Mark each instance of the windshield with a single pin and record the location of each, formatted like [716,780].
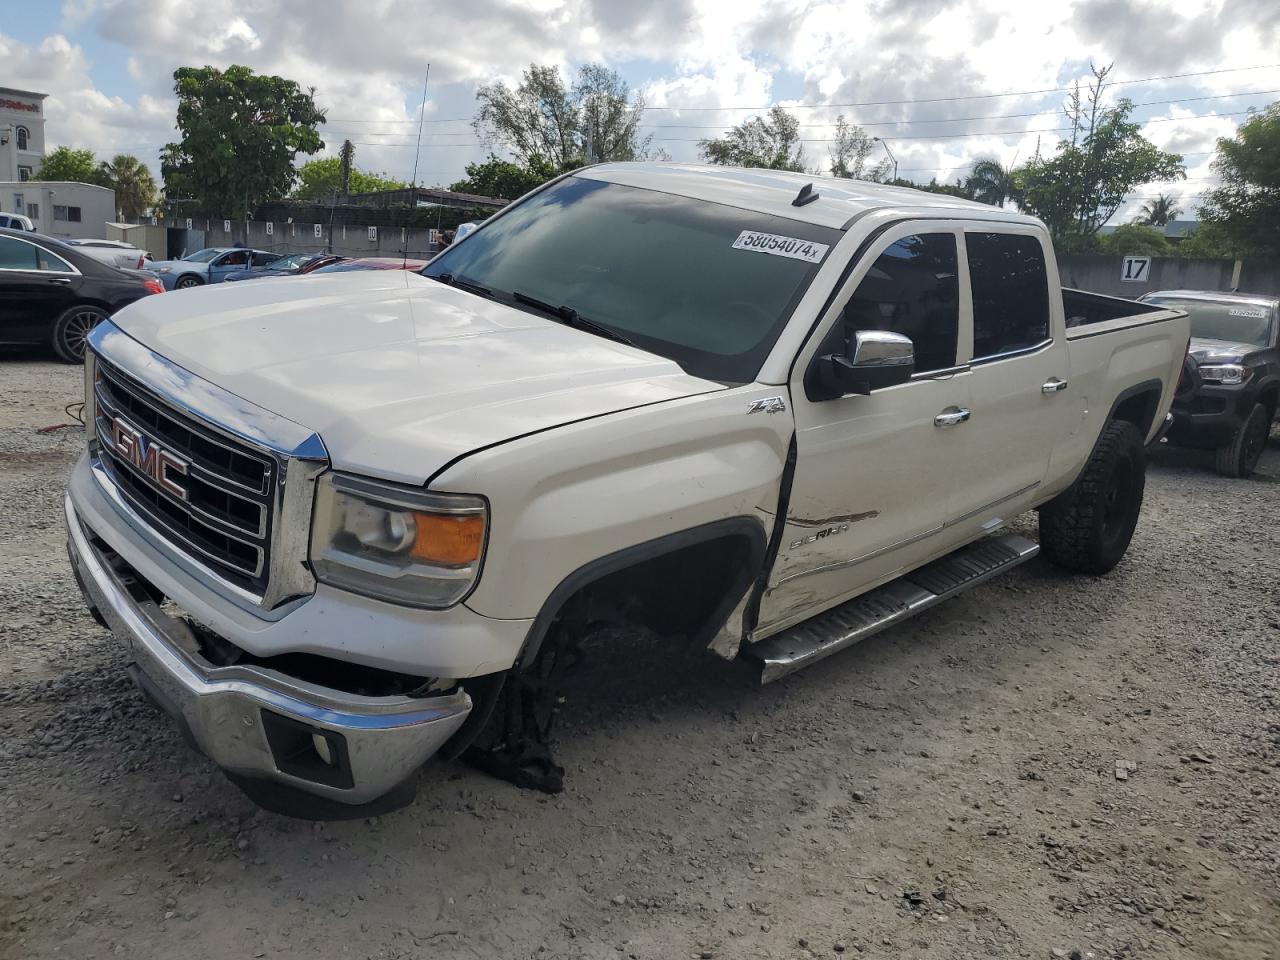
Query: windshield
[1232,322]
[290,262]
[707,285]
[202,256]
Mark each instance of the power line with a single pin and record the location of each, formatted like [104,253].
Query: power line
[894,139]
[882,103]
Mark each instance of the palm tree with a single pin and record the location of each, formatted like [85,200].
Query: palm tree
[1158,212]
[990,181]
[134,186]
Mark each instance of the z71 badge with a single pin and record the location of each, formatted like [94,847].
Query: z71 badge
[767,405]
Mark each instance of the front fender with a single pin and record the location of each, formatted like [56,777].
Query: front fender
[565,498]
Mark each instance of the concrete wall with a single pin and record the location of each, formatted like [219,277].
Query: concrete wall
[346,239]
[1102,274]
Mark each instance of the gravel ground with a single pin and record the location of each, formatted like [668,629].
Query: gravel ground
[948,789]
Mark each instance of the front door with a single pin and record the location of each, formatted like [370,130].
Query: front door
[875,475]
[228,263]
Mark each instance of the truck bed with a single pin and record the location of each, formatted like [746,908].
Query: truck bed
[1084,309]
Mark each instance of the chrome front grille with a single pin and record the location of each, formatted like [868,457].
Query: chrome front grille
[218,507]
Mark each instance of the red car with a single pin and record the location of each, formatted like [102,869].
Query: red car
[372,263]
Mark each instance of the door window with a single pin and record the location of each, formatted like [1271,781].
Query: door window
[912,289]
[236,258]
[52,262]
[1010,292]
[261,259]
[16,255]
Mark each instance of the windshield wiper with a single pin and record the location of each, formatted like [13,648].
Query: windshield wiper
[449,280]
[571,317]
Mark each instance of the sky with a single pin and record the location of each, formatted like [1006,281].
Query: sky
[967,78]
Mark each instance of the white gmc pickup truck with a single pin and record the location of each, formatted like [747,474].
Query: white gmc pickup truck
[342,524]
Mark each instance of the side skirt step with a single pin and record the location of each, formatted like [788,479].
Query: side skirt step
[859,618]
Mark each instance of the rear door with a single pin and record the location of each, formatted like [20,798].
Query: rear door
[1022,403]
[35,287]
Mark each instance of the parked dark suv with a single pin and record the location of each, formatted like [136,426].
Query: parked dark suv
[1232,400]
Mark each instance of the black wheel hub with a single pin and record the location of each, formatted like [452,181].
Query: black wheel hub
[1115,501]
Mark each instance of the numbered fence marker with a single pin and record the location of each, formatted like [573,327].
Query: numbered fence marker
[1135,269]
[373,233]
[188,223]
[319,230]
[271,229]
[226,226]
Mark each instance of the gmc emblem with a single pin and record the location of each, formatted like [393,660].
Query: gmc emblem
[150,459]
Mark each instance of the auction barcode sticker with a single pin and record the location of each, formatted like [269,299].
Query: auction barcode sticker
[780,246]
[1251,314]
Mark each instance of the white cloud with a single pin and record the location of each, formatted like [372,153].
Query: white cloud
[366,62]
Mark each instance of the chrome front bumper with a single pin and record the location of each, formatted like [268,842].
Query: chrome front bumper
[276,736]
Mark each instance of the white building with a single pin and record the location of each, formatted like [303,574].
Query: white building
[61,208]
[21,133]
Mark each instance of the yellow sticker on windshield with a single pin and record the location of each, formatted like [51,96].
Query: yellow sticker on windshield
[780,246]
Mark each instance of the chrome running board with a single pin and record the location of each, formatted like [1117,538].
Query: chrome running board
[843,626]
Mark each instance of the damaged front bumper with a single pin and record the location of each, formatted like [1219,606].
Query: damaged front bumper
[293,746]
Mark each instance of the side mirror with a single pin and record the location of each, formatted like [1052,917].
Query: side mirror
[876,359]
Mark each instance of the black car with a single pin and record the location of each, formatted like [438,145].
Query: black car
[1232,384]
[289,265]
[52,293]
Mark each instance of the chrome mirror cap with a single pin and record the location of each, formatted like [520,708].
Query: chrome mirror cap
[881,348]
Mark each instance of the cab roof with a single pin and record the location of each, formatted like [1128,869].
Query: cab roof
[772,192]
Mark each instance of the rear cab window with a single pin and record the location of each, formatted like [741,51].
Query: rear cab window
[1010,285]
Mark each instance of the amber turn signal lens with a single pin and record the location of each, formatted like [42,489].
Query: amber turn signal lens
[448,540]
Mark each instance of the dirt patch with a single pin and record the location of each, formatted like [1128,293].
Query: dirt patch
[947,789]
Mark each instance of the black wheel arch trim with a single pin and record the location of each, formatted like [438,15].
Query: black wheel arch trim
[749,527]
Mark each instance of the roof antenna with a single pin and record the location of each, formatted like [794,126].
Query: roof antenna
[413,186]
[806,195]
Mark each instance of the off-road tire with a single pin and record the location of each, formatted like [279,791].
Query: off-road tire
[187,282]
[1087,528]
[71,329]
[1240,457]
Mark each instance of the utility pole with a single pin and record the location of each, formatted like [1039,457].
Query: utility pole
[892,158]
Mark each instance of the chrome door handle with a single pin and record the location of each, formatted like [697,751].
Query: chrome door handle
[1053,385]
[949,418]
[58,279]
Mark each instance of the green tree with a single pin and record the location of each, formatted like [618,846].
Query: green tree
[1135,239]
[991,182]
[134,186]
[593,120]
[850,150]
[771,141]
[240,135]
[1246,207]
[68,163]
[496,177]
[1080,188]
[1209,241]
[1158,211]
[320,180]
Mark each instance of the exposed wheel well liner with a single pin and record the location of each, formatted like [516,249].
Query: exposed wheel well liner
[1270,397]
[1138,405]
[711,566]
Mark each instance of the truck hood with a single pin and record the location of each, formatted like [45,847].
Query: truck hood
[1219,351]
[398,374]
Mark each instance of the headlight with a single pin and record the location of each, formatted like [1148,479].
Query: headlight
[163,269]
[1226,373]
[397,543]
